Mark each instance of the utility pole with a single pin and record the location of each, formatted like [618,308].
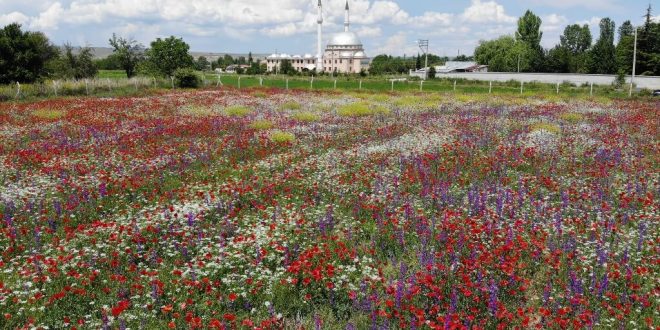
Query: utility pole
[632,79]
[424,46]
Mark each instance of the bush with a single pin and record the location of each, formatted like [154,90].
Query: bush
[261,125]
[186,78]
[282,137]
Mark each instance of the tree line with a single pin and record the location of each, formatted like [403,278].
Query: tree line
[576,51]
[27,56]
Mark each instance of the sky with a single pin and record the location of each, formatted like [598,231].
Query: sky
[289,26]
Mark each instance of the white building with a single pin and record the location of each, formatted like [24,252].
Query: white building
[344,52]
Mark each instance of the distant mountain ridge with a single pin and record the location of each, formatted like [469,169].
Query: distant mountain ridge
[103,52]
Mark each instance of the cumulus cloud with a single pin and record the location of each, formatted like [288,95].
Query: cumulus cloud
[13,17]
[486,12]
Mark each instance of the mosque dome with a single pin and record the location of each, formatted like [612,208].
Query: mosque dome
[345,39]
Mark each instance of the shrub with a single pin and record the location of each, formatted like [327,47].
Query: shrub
[306,116]
[260,95]
[186,78]
[361,109]
[237,111]
[282,137]
[262,125]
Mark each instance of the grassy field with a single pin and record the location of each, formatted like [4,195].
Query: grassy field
[111,74]
[114,83]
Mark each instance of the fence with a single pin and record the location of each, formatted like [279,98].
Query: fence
[115,87]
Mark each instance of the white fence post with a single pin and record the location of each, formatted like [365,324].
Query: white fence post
[421,85]
[311,83]
[360,84]
[172,79]
[287,83]
[490,88]
[392,85]
[261,81]
[18,89]
[87,86]
[591,91]
[557,88]
[55,86]
[521,87]
[239,82]
[335,83]
[454,85]
[219,83]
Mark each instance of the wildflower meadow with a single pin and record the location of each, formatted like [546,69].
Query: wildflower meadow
[274,209]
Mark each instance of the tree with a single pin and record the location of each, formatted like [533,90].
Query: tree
[648,46]
[575,42]
[129,53]
[603,54]
[418,62]
[432,72]
[250,59]
[75,66]
[202,63]
[529,33]
[504,54]
[558,60]
[24,55]
[287,68]
[624,49]
[167,55]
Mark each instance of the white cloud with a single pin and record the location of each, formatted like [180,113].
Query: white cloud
[369,31]
[486,12]
[553,22]
[13,17]
[589,4]
[429,19]
[398,44]
[49,19]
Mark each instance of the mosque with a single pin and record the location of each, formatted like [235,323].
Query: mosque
[344,52]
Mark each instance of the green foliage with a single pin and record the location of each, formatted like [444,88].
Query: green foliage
[186,78]
[75,66]
[287,68]
[282,137]
[529,33]
[504,54]
[167,55]
[648,46]
[24,55]
[237,111]
[261,125]
[306,116]
[603,54]
[48,114]
[432,72]
[112,62]
[129,53]
[202,64]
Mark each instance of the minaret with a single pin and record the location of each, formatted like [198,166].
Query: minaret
[319,50]
[346,19]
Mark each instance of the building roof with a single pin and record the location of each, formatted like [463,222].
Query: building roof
[345,39]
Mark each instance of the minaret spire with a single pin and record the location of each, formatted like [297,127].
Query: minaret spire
[346,18]
[319,50]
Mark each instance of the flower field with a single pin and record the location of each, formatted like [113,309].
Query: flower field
[266,209]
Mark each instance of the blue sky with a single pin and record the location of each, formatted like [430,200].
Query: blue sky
[266,26]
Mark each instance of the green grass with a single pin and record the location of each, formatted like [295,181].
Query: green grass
[291,105]
[306,116]
[262,125]
[282,137]
[238,111]
[48,114]
[112,74]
